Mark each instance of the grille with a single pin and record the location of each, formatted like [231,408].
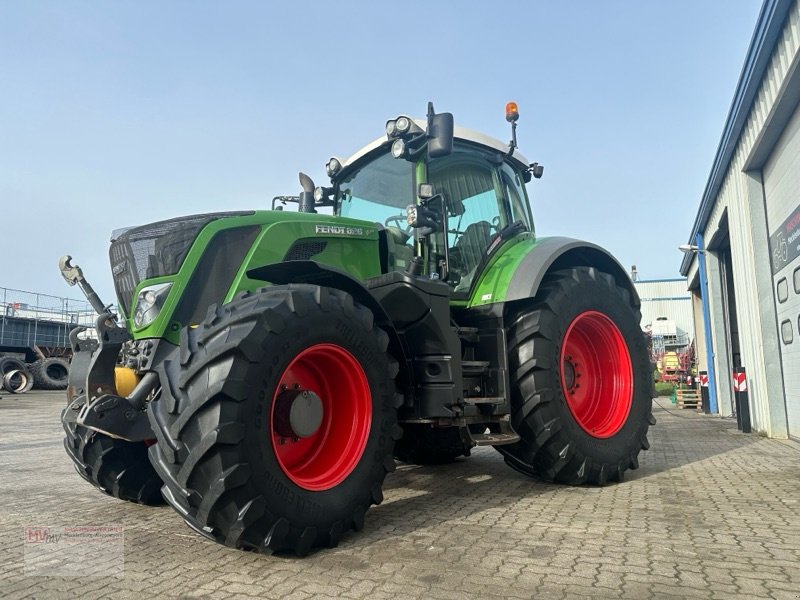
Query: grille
[154,250]
[305,249]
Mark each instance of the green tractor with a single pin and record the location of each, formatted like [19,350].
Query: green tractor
[268,367]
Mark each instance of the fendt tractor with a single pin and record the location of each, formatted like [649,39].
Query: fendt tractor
[267,367]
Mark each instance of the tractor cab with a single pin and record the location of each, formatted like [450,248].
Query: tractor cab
[444,197]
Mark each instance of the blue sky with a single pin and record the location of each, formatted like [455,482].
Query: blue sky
[122,113]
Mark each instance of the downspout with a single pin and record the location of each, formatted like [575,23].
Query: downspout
[712,373]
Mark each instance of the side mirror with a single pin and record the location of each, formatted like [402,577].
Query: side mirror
[440,134]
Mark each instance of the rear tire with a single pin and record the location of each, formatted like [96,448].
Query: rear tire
[116,467]
[229,466]
[580,381]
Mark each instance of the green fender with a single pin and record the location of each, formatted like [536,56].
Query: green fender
[516,271]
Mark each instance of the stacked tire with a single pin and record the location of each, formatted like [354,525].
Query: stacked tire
[50,373]
[46,374]
[15,377]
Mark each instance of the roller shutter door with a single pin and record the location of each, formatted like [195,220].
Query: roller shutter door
[782,194]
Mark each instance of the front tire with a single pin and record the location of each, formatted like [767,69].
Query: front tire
[277,426]
[580,381]
[118,468]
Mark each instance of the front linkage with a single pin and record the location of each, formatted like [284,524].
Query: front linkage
[106,427]
[94,401]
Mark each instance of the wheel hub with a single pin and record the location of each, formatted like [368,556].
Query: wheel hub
[570,374]
[298,413]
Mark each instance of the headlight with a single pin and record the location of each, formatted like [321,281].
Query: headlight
[391,128]
[149,303]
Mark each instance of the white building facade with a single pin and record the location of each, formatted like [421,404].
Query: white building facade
[748,231]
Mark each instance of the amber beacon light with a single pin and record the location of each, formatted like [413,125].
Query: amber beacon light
[512,113]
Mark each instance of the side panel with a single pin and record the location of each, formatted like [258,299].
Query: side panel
[343,243]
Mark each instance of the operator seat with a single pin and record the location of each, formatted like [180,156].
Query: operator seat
[472,244]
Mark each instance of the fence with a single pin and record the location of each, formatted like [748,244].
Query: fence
[29,319]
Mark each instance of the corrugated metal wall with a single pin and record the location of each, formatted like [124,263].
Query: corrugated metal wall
[733,199]
[666,298]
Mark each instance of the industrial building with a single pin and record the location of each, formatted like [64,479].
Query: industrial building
[742,261]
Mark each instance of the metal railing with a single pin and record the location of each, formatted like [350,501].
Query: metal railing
[30,319]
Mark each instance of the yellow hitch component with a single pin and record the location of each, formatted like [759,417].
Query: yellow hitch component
[125,379]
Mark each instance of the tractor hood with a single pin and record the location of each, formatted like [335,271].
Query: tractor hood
[154,250]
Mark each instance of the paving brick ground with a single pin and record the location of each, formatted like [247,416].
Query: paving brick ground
[711,513]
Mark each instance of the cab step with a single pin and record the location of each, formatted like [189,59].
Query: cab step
[485,400]
[468,334]
[474,367]
[494,439]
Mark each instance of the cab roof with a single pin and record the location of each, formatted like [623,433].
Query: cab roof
[459,133]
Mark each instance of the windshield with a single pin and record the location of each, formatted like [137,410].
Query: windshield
[379,191]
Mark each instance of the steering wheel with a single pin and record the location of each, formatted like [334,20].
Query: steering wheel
[397,220]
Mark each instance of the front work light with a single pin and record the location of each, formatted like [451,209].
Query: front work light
[333,166]
[411,215]
[149,303]
[398,148]
[403,124]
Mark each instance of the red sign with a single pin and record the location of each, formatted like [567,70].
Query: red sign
[740,382]
[703,380]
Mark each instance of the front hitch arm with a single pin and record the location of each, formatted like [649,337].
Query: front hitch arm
[73,275]
[92,393]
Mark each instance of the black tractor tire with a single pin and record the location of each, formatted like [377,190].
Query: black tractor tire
[18,381]
[580,380]
[423,444]
[50,373]
[8,364]
[226,465]
[116,467]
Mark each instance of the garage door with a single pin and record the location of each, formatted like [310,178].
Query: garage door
[782,193]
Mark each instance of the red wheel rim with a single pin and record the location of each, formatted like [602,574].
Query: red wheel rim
[596,374]
[325,458]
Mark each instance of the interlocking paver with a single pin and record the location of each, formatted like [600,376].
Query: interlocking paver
[711,513]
